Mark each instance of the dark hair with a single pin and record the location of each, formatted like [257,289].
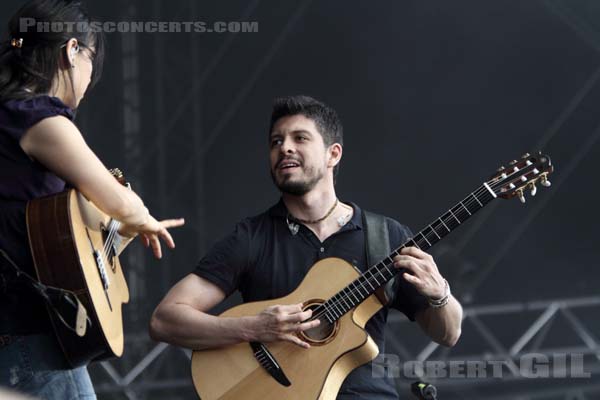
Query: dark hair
[325,118]
[37,61]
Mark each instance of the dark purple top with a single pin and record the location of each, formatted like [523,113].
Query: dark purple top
[22,179]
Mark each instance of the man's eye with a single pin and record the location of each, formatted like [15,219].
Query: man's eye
[276,142]
[301,138]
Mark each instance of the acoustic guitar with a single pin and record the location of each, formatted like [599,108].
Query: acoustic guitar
[74,247]
[343,300]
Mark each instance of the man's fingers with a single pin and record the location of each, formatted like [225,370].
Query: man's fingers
[307,325]
[411,278]
[415,252]
[297,316]
[290,308]
[408,263]
[296,340]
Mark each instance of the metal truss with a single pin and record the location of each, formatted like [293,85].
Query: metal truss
[478,323]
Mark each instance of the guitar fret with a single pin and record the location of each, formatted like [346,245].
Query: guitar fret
[476,199]
[461,203]
[381,272]
[342,296]
[434,231]
[414,243]
[334,308]
[332,312]
[445,226]
[421,233]
[391,272]
[362,295]
[352,292]
[372,287]
[376,281]
[328,316]
[457,220]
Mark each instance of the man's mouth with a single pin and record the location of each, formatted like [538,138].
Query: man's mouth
[288,165]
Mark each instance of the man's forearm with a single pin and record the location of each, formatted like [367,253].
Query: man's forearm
[182,325]
[443,324]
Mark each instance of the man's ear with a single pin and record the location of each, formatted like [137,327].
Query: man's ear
[335,154]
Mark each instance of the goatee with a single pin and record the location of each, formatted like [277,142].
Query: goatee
[296,188]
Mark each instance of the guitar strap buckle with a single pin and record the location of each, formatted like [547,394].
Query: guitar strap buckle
[81,319]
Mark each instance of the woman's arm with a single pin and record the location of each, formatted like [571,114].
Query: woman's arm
[57,144]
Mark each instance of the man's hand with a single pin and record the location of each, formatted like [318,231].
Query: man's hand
[422,272]
[281,322]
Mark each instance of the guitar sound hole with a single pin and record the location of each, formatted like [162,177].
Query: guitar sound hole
[322,333]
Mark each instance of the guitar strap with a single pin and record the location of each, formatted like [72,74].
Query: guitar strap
[377,245]
[63,303]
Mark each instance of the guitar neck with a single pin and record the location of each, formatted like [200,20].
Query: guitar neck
[382,272]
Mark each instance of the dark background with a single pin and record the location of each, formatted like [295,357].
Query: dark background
[434,96]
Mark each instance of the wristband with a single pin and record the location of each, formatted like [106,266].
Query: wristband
[439,303]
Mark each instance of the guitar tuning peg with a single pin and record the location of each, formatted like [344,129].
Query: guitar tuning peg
[526,155]
[500,169]
[513,162]
[521,195]
[533,188]
[545,181]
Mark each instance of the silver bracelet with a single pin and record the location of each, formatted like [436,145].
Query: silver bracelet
[439,303]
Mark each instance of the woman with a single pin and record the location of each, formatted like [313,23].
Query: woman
[43,77]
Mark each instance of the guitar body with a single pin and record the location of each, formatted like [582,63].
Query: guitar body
[233,372]
[64,230]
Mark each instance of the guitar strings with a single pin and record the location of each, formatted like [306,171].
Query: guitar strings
[112,231]
[355,286]
[326,307]
[345,293]
[343,296]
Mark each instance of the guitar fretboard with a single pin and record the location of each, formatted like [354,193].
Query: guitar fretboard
[382,272]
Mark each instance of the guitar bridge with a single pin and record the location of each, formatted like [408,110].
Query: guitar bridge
[101,268]
[267,361]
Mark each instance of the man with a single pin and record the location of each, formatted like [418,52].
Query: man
[267,256]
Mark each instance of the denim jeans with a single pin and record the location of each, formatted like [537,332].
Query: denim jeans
[35,365]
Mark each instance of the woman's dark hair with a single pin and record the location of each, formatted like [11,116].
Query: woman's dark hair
[37,61]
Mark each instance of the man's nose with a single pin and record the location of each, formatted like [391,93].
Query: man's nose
[287,147]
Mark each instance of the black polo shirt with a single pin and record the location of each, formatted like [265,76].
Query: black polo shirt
[263,259]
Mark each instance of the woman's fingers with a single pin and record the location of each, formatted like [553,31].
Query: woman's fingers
[172,223]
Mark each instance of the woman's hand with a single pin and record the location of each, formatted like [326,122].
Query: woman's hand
[152,231]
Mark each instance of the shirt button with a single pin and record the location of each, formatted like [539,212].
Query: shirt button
[322,249]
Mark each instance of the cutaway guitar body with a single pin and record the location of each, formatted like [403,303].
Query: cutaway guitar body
[317,373]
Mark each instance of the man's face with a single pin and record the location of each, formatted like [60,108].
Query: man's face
[298,155]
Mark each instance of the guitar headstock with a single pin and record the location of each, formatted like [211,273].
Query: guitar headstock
[118,174]
[521,175]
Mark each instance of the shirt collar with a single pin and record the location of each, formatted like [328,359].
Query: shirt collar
[280,210]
